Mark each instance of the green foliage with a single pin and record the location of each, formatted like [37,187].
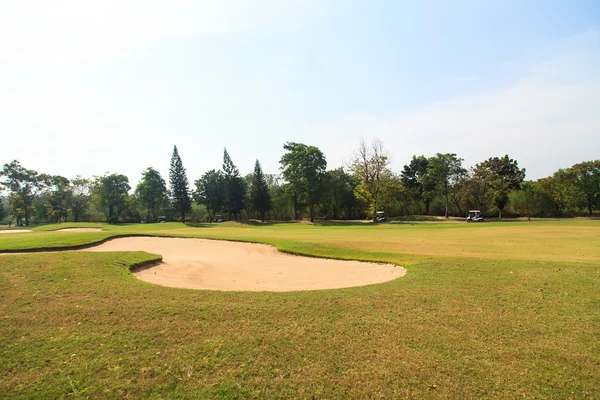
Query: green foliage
[59,198]
[259,195]
[303,167]
[235,190]
[210,191]
[444,171]
[178,182]
[110,193]
[586,179]
[151,193]
[80,197]
[393,195]
[500,176]
[370,165]
[338,200]
[24,184]
[281,202]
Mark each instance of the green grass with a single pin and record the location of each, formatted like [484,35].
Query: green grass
[507,310]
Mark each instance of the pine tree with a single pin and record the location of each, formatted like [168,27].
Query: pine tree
[260,196]
[180,194]
[234,187]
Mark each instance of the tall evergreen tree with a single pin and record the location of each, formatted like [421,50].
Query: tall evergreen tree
[259,194]
[180,194]
[234,187]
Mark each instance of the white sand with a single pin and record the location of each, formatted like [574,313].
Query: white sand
[221,265]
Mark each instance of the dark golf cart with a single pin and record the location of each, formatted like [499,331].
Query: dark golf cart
[161,219]
[475,216]
[380,216]
[219,218]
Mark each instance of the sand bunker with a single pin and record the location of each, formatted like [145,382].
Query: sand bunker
[15,231]
[220,265]
[79,230]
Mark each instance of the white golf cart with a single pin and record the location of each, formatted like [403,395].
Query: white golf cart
[475,216]
[380,216]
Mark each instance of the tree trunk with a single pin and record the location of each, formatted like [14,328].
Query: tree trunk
[25,209]
[446,203]
[590,204]
[295,206]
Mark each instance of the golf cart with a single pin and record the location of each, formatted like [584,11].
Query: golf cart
[219,218]
[380,216]
[161,219]
[475,216]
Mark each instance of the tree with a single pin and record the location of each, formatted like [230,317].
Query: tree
[370,165]
[59,198]
[444,170]
[110,195]
[303,167]
[458,192]
[234,187]
[412,180]
[527,198]
[586,178]
[210,191]
[259,195]
[24,184]
[338,200]
[477,185]
[151,192]
[504,175]
[80,196]
[392,195]
[180,193]
[2,210]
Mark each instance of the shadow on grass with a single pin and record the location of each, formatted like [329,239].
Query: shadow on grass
[345,223]
[254,222]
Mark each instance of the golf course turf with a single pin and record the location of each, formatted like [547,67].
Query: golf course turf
[493,310]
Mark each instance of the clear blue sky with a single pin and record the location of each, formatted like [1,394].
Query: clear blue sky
[86,89]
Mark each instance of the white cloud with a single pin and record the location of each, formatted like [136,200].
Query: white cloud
[74,30]
[547,120]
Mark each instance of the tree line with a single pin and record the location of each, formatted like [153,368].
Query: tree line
[439,185]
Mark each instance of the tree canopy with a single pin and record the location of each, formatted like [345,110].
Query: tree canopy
[110,195]
[370,165]
[210,191]
[152,194]
[303,168]
[24,185]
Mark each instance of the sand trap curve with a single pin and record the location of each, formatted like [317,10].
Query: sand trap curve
[79,230]
[221,265]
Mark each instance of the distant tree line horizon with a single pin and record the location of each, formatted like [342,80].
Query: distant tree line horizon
[440,185]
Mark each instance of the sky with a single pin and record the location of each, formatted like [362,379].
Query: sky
[111,86]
